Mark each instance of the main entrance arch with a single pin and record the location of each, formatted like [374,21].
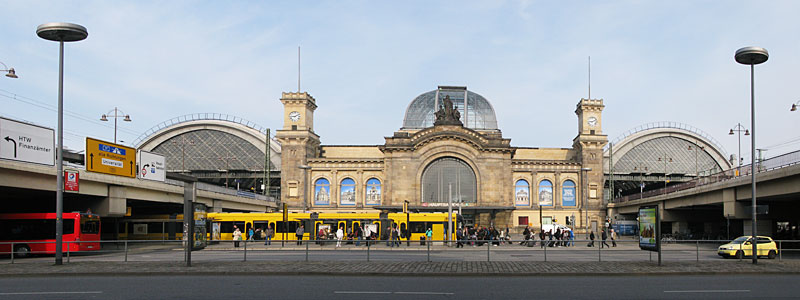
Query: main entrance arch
[444,174]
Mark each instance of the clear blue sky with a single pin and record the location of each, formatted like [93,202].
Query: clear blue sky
[364,61]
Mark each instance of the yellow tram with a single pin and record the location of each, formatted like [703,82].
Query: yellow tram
[221,224]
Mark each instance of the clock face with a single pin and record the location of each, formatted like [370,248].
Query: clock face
[295,116]
[592,121]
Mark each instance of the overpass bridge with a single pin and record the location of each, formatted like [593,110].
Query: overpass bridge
[719,205]
[27,187]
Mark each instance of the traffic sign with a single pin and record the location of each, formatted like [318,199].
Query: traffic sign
[151,166]
[71,181]
[110,158]
[25,142]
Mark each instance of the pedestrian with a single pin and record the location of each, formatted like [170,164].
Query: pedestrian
[299,233]
[428,235]
[526,234]
[250,234]
[237,236]
[387,236]
[359,234]
[339,235]
[269,234]
[541,238]
[395,237]
[571,238]
[508,236]
[459,238]
[367,234]
[613,238]
[591,238]
[604,235]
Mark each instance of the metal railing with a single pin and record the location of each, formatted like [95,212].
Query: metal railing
[777,162]
[394,250]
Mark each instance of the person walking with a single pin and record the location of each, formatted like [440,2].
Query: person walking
[613,238]
[250,234]
[237,236]
[459,238]
[387,235]
[429,235]
[367,234]
[541,239]
[526,234]
[591,239]
[604,235]
[358,233]
[339,235]
[269,233]
[299,233]
[395,237]
[571,238]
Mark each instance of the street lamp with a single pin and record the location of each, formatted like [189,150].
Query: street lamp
[752,56]
[665,159]
[696,148]
[641,168]
[585,205]
[305,169]
[117,114]
[739,128]
[60,32]
[10,71]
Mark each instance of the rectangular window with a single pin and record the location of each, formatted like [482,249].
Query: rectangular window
[291,227]
[523,221]
[547,220]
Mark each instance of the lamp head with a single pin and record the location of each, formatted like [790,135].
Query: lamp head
[746,132]
[794,106]
[11,73]
[127,118]
[751,55]
[103,118]
[730,133]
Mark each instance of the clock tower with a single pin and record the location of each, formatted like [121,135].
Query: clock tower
[589,145]
[298,144]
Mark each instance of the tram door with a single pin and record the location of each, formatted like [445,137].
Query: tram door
[438,232]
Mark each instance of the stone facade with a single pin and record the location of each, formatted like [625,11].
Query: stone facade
[400,163]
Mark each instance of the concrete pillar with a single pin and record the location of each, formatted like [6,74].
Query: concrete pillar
[115,205]
[216,206]
[731,208]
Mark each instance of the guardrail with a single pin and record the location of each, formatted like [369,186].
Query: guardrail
[777,162]
[393,250]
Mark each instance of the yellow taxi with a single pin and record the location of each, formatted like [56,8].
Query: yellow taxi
[743,246]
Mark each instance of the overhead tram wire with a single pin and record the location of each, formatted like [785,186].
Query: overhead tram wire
[44,105]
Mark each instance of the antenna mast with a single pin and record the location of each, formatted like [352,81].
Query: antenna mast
[298,69]
[590,78]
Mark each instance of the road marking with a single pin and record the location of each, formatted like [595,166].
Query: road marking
[49,293]
[359,292]
[397,293]
[708,291]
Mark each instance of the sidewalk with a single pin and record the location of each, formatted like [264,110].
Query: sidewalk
[403,268]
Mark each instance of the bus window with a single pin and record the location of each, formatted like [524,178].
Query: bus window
[418,227]
[33,229]
[90,226]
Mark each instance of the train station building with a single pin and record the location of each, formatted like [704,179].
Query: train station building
[449,150]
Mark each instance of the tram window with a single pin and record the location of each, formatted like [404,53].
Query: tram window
[291,227]
[418,227]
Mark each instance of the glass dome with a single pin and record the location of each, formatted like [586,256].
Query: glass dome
[476,112]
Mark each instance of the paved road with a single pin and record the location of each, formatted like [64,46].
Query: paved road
[400,287]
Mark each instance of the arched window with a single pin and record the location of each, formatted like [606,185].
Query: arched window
[322,192]
[347,195]
[568,193]
[446,174]
[545,193]
[373,192]
[522,193]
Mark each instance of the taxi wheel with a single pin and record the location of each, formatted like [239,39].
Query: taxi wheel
[739,254]
[772,254]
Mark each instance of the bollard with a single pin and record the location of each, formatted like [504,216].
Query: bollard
[488,251]
[245,250]
[67,252]
[126,250]
[309,242]
[368,250]
[599,251]
[429,250]
[12,252]
[697,247]
[545,252]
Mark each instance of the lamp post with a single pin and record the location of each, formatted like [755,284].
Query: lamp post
[117,114]
[227,159]
[585,205]
[10,73]
[696,148]
[305,169]
[60,32]
[752,56]
[739,129]
[641,168]
[666,159]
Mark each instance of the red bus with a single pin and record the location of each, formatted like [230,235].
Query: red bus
[35,233]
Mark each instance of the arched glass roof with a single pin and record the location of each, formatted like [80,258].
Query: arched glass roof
[476,112]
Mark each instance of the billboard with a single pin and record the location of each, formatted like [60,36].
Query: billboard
[110,158]
[648,228]
[25,142]
[152,166]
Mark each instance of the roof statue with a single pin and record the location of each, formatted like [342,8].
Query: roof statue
[447,114]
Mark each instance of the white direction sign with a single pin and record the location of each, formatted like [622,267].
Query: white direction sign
[25,142]
[151,166]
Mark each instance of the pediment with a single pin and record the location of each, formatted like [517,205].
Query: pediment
[411,141]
